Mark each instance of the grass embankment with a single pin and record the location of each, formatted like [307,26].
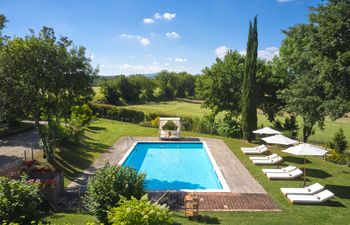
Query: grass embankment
[182,108]
[336,178]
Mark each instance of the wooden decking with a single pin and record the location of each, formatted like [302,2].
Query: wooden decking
[223,201]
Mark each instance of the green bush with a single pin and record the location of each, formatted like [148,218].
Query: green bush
[107,185]
[115,113]
[229,127]
[81,116]
[206,125]
[339,142]
[140,212]
[19,201]
[339,158]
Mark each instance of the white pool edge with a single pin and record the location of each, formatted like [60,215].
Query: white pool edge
[217,170]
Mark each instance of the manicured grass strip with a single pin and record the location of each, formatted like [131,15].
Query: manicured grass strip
[336,178]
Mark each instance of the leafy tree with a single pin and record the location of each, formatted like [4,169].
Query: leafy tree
[339,142]
[19,201]
[249,102]
[108,184]
[140,212]
[110,91]
[220,85]
[144,85]
[185,85]
[167,83]
[50,75]
[317,54]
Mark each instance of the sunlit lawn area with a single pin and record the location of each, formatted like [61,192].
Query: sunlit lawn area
[336,178]
[181,108]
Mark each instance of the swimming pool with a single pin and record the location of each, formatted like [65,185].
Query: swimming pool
[175,166]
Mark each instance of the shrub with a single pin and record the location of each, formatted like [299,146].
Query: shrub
[107,185]
[229,127]
[187,123]
[140,212]
[19,201]
[338,158]
[206,125]
[115,113]
[339,142]
[81,116]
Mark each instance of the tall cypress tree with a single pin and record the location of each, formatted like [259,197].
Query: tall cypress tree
[249,96]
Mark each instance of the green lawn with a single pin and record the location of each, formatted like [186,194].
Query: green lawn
[335,177]
[182,108]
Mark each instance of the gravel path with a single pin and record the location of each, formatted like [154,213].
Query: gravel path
[13,147]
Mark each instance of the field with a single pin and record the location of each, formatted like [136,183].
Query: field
[182,108]
[336,178]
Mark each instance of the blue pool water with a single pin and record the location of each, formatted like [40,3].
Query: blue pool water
[174,166]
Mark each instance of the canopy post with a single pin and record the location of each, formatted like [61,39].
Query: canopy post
[304,172]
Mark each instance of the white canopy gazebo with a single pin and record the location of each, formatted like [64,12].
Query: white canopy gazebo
[169,128]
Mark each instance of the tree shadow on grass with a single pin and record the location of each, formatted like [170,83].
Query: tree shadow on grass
[202,219]
[297,160]
[342,192]
[317,173]
[74,158]
[95,129]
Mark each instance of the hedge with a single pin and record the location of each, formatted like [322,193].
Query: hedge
[114,113]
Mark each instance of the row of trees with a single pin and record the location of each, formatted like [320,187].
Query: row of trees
[139,88]
[310,78]
[42,77]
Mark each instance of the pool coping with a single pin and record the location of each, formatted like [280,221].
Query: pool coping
[225,187]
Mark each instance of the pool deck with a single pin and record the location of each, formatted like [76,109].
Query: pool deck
[246,194]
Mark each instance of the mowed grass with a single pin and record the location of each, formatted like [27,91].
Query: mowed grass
[172,108]
[182,108]
[335,177]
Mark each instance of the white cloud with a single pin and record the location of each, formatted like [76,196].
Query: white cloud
[130,69]
[180,60]
[169,16]
[221,51]
[172,35]
[166,16]
[155,63]
[91,56]
[148,20]
[267,53]
[143,40]
[157,16]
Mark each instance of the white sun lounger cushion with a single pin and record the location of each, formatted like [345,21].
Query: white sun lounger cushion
[257,148]
[285,176]
[274,155]
[321,197]
[268,161]
[281,170]
[310,190]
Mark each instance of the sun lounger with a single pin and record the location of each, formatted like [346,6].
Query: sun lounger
[255,150]
[285,175]
[310,190]
[318,198]
[281,170]
[274,155]
[272,161]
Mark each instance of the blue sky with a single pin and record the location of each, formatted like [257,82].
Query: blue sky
[135,36]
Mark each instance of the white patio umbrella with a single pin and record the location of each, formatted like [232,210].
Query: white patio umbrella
[279,139]
[266,130]
[304,150]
